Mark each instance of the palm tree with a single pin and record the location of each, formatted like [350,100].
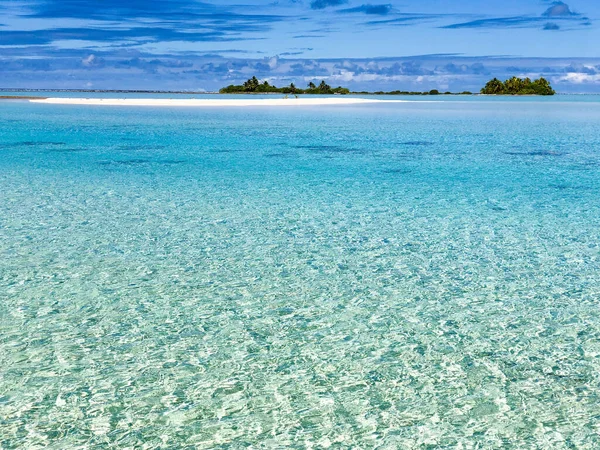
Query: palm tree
[542,87]
[312,85]
[518,86]
[324,87]
[513,85]
[493,87]
[251,85]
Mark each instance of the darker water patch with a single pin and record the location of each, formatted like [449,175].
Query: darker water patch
[417,143]
[560,187]
[567,187]
[535,153]
[546,153]
[139,162]
[32,144]
[278,155]
[121,126]
[397,171]
[225,150]
[140,147]
[331,149]
[585,165]
[125,162]
[170,161]
[60,149]
[495,206]
[41,143]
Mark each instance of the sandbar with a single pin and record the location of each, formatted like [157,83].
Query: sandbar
[321,101]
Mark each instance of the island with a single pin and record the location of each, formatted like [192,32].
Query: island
[512,86]
[254,86]
[518,86]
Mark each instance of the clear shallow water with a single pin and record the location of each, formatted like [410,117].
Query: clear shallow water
[398,276]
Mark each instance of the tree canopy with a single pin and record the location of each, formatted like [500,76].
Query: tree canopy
[512,86]
[254,86]
[518,86]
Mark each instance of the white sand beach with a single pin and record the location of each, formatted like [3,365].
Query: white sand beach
[319,101]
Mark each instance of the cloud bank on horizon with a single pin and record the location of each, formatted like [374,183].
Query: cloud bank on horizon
[203,45]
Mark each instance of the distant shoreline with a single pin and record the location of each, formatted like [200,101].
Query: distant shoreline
[110,91]
[20,97]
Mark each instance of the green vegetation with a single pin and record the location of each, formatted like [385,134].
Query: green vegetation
[253,86]
[512,86]
[518,86]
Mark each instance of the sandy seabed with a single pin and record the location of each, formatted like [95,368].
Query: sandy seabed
[209,102]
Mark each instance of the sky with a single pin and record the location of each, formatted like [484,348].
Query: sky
[203,45]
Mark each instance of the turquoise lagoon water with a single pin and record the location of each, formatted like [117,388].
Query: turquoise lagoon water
[415,275]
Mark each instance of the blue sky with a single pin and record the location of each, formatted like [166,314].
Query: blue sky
[203,45]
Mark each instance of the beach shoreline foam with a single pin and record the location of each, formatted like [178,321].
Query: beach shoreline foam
[210,102]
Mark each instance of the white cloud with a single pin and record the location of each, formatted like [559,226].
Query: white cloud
[579,78]
[90,61]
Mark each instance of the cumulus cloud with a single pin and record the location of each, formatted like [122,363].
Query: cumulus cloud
[376,10]
[551,26]
[322,4]
[92,61]
[582,68]
[579,78]
[559,9]
[456,69]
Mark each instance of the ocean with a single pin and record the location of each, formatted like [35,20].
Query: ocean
[407,275]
